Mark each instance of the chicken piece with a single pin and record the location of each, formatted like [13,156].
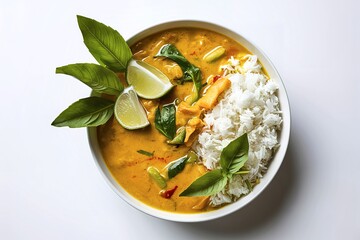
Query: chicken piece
[185,112]
[191,126]
[204,202]
[190,115]
[173,71]
[210,99]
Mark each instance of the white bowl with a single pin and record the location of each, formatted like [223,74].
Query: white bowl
[274,164]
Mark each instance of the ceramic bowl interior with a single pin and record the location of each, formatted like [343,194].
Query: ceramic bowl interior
[273,167]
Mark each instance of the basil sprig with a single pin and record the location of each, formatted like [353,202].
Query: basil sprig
[112,53]
[190,71]
[232,159]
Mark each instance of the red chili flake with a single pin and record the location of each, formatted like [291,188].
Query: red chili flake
[168,193]
[216,78]
[193,53]
[162,159]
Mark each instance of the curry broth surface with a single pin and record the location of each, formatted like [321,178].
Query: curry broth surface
[119,146]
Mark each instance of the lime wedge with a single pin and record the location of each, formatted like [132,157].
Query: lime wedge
[148,81]
[128,110]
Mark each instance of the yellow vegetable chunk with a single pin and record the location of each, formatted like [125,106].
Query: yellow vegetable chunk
[210,99]
[185,112]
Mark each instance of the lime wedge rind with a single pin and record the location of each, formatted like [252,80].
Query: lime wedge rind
[128,110]
[148,81]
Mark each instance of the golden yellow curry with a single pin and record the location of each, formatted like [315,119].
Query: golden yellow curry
[122,149]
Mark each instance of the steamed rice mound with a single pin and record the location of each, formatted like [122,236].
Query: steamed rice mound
[250,106]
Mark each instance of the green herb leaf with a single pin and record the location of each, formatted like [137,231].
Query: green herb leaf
[87,112]
[180,136]
[235,154]
[165,120]
[106,45]
[177,166]
[100,79]
[171,52]
[146,153]
[190,71]
[208,184]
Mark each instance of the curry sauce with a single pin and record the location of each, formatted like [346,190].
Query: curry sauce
[120,147]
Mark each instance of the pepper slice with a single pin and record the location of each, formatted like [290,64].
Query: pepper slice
[168,193]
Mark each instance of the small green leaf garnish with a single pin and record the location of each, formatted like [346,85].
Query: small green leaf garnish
[177,166]
[232,158]
[190,71]
[208,184]
[146,153]
[179,138]
[165,120]
[100,79]
[110,49]
[235,154]
[106,44]
[87,112]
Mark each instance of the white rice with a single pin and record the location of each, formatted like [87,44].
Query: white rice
[250,106]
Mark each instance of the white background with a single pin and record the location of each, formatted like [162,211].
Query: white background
[50,187]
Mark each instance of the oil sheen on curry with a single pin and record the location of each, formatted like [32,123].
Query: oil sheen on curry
[139,159]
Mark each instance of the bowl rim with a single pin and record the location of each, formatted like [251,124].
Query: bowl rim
[274,165]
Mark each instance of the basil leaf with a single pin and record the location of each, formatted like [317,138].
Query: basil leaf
[177,166]
[180,136]
[100,79]
[165,120]
[146,153]
[235,154]
[170,51]
[106,44]
[208,184]
[87,112]
[190,71]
